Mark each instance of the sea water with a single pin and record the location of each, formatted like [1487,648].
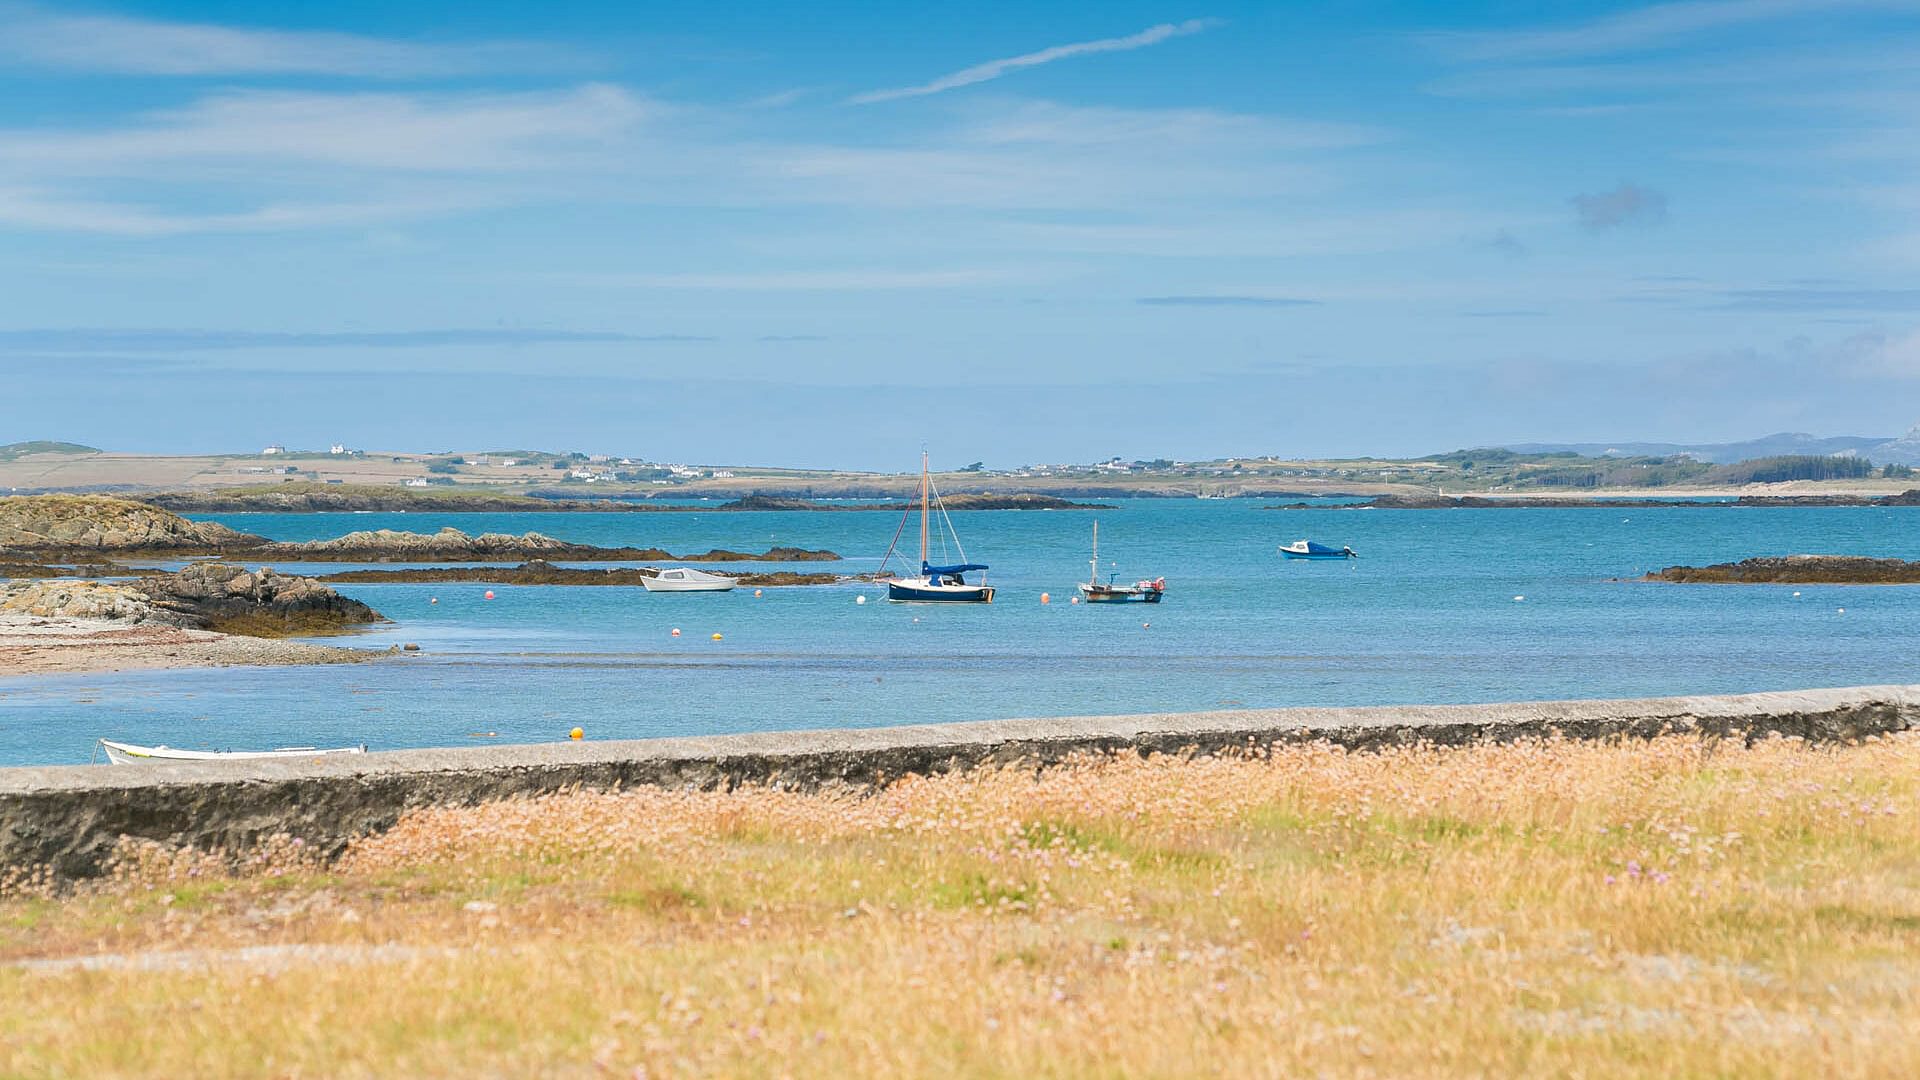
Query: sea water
[1459,605]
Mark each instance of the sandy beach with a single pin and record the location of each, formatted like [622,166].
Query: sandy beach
[32,645]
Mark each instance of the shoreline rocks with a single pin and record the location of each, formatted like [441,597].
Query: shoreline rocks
[541,572]
[220,597]
[97,523]
[306,498]
[1567,502]
[1796,570]
[81,528]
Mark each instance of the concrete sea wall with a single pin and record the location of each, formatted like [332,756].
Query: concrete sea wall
[68,818]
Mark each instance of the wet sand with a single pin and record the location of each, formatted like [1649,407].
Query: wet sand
[32,645]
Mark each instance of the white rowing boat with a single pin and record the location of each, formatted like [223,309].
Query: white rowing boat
[687,579]
[128,754]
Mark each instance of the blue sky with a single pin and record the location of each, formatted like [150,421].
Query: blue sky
[825,236]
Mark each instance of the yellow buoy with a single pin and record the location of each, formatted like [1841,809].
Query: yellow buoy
[576,733]
[716,637]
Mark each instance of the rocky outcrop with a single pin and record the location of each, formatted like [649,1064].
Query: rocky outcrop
[261,603]
[1020,501]
[452,545]
[389,545]
[541,572]
[206,596]
[92,523]
[1797,570]
[80,600]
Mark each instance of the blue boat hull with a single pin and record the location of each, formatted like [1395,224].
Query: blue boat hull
[916,594]
[1314,554]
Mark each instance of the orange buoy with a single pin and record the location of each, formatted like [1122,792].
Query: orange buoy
[489,595]
[1073,600]
[676,631]
[756,592]
[1045,599]
[576,733]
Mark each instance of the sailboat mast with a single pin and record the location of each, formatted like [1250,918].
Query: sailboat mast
[1093,577]
[923,507]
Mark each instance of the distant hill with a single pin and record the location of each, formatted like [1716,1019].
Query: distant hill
[41,446]
[1880,450]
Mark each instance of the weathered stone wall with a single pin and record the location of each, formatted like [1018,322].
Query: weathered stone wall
[69,818]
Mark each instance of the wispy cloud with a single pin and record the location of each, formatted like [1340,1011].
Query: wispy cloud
[1628,204]
[1204,300]
[1650,27]
[994,69]
[124,45]
[254,161]
[458,131]
[74,340]
[807,280]
[1821,299]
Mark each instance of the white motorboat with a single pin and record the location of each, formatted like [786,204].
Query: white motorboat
[121,753]
[687,579]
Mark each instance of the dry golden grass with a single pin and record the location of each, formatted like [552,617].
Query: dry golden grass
[1673,908]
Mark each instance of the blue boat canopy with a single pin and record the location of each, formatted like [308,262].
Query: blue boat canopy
[941,571]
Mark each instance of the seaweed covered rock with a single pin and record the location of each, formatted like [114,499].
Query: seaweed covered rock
[264,603]
[1797,570]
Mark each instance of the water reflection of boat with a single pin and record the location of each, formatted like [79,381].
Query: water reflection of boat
[936,584]
[1097,592]
[1307,549]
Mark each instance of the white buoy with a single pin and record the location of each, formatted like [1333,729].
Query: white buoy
[1839,611]
[1796,592]
[859,599]
[1518,599]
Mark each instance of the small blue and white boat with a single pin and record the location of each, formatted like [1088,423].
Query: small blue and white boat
[1307,549]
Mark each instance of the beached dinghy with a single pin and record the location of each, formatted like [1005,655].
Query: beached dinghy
[1307,549]
[128,754]
[687,579]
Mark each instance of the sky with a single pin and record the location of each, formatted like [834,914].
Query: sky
[829,236]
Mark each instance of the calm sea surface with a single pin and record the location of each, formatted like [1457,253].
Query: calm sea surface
[1430,613]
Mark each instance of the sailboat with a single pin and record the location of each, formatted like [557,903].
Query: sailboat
[935,584]
[1098,592]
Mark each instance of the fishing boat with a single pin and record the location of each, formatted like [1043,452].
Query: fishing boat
[1308,549]
[121,753]
[1097,592]
[687,579]
[946,584]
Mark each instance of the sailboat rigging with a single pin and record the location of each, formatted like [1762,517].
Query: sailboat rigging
[936,584]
